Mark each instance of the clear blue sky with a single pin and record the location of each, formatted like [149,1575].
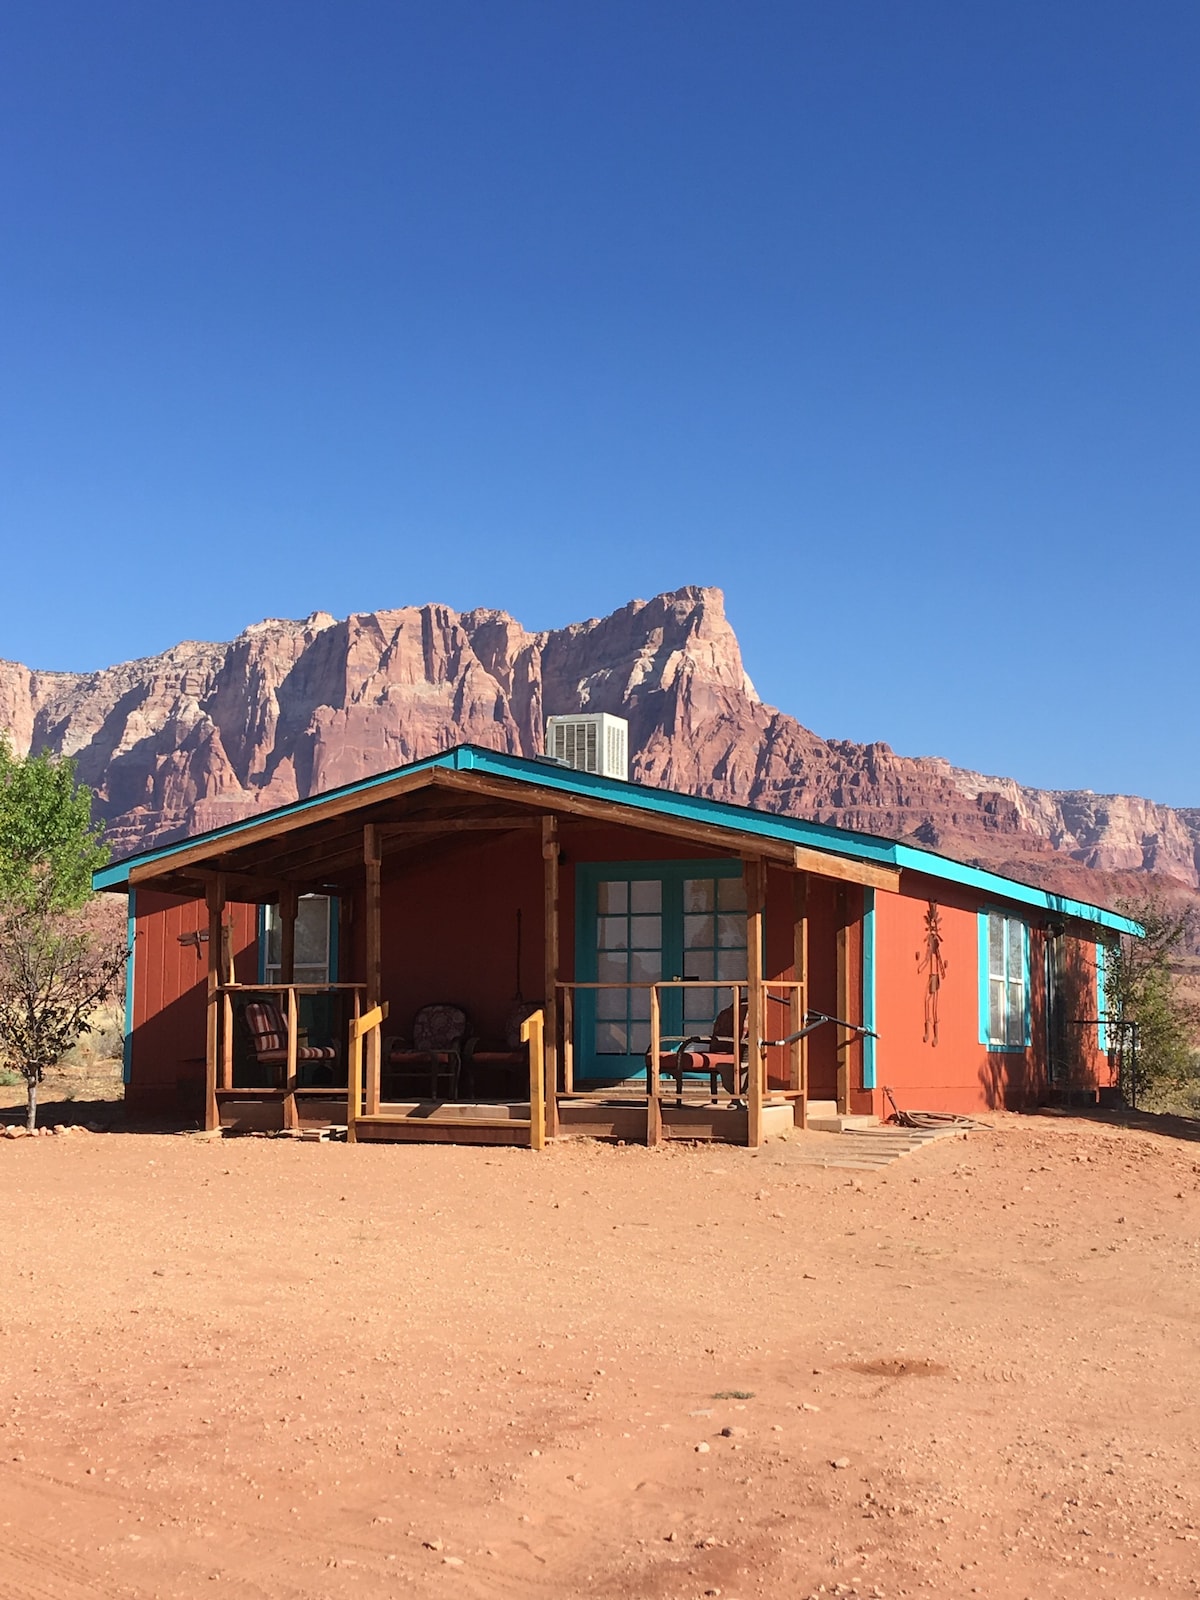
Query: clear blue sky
[883,316]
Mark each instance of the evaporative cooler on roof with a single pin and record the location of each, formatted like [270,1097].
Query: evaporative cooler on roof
[590,742]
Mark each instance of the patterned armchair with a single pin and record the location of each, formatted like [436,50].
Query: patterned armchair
[432,1058]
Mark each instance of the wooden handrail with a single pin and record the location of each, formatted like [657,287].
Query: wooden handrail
[533,1033]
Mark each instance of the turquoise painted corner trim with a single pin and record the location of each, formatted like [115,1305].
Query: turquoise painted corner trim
[985,1032]
[548,776]
[1101,995]
[131,937]
[869,1011]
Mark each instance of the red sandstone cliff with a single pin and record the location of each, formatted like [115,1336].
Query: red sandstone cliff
[208,733]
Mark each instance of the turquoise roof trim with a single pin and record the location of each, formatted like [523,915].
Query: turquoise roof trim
[550,775]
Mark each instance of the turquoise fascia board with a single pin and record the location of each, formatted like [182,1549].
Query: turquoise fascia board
[636,797]
[868,979]
[131,936]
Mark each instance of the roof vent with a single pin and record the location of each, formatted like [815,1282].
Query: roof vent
[590,742]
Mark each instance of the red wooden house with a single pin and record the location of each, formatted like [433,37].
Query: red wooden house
[488,948]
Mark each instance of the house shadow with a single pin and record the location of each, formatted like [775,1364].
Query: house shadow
[1164,1124]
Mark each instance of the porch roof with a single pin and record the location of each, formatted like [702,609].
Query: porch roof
[493,775]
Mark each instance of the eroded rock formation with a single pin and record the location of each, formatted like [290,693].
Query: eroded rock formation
[208,733]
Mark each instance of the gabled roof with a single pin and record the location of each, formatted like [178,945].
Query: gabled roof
[521,773]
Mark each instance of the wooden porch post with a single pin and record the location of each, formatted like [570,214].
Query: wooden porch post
[550,853]
[288,907]
[373,861]
[755,880]
[845,1036]
[799,1051]
[215,898]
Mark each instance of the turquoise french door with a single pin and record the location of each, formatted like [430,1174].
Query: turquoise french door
[637,922]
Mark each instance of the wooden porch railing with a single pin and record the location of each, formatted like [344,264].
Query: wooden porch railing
[761,1026]
[219,1073]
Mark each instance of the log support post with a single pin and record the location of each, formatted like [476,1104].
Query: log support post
[373,863]
[215,898]
[654,1122]
[755,879]
[288,908]
[550,855]
[799,1050]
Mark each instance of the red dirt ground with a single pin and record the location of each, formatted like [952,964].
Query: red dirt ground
[263,1368]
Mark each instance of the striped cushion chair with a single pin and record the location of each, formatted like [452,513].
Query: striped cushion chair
[268,1038]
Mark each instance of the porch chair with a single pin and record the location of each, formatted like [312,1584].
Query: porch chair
[504,1064]
[717,1058]
[433,1056]
[269,1041]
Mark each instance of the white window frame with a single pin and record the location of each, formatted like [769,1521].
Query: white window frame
[1004,1009]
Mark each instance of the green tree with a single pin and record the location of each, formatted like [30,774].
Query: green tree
[56,968]
[1153,1025]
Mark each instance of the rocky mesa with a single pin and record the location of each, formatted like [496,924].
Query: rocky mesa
[206,734]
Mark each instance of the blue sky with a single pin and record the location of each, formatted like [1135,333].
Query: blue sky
[883,317]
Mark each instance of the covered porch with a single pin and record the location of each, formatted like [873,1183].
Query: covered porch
[583,942]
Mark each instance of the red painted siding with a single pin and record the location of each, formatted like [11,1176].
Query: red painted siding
[169,986]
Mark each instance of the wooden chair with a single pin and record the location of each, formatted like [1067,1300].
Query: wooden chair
[434,1055]
[504,1064]
[717,1057]
[269,1041]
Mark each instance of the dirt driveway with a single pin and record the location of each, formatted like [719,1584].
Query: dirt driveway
[263,1368]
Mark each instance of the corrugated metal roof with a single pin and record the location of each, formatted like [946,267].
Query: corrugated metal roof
[635,797]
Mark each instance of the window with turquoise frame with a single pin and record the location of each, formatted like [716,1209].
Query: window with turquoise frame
[640,921]
[1101,995]
[1004,1022]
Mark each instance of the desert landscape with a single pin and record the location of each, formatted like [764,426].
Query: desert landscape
[266,1367]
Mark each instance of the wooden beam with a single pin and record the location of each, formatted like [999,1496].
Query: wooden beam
[550,854]
[716,838]
[799,1072]
[390,830]
[844,870]
[754,876]
[372,860]
[216,910]
[319,811]
[288,908]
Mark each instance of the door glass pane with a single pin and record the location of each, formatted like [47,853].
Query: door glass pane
[699,894]
[645,933]
[614,933]
[699,932]
[645,894]
[612,897]
[731,932]
[611,968]
[731,894]
[312,933]
[731,965]
[611,1038]
[645,966]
